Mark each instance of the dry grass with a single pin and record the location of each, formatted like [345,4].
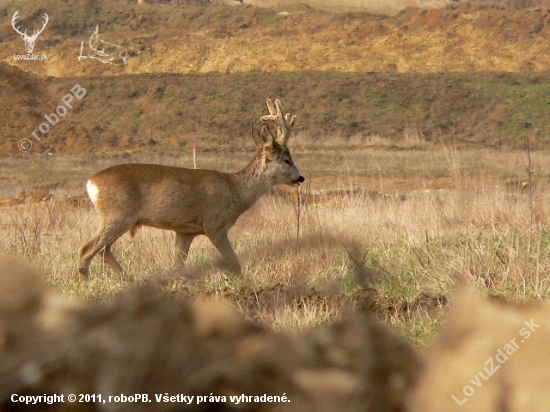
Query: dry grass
[484,230]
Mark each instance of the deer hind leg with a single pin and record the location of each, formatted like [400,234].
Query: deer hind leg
[104,238]
[110,260]
[183,242]
[221,242]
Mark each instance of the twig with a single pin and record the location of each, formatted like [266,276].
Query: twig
[529,169]
[298,207]
[52,222]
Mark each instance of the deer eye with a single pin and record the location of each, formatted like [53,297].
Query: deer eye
[288,162]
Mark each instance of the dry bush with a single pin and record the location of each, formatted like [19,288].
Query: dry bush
[146,342]
[490,356]
[149,342]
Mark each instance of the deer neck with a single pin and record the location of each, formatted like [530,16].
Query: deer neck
[251,181]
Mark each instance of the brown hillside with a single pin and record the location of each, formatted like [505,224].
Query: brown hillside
[202,74]
[167,112]
[461,37]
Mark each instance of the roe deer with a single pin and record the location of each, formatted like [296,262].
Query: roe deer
[190,202]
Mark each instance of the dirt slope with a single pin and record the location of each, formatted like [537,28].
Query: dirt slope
[229,39]
[201,74]
[159,112]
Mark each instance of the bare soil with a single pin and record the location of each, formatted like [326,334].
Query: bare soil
[462,37]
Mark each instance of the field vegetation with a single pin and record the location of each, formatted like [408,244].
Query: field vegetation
[405,226]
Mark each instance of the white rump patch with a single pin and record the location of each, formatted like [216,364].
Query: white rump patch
[93,191]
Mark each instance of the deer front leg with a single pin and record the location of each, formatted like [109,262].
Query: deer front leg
[221,242]
[183,242]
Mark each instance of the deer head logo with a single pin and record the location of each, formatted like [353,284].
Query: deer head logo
[29,40]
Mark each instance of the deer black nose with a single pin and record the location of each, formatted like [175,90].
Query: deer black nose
[301,179]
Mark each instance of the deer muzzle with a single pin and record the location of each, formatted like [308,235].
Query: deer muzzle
[297,182]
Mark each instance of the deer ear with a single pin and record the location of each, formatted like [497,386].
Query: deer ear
[267,139]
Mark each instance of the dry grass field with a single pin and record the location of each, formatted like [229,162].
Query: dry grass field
[400,229]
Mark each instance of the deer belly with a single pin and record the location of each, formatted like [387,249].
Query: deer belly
[179,226]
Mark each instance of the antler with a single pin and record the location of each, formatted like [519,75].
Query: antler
[46,20]
[284,123]
[25,35]
[13,20]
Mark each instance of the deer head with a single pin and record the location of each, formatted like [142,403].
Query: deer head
[278,166]
[29,40]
